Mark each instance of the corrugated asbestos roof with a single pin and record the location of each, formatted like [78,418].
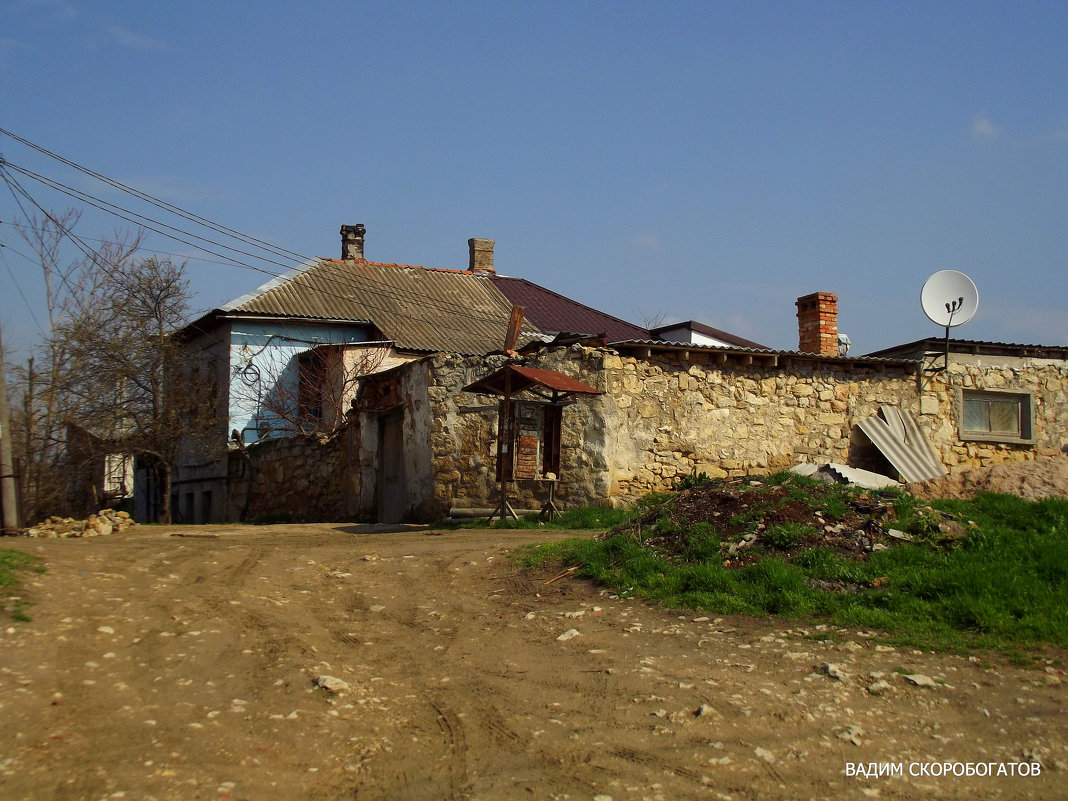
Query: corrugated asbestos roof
[417,308]
[552,312]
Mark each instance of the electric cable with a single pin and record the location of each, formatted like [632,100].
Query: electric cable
[421,299]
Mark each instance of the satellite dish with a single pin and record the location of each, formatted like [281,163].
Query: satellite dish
[949,298]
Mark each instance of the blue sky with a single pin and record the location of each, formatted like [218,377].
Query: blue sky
[710,160]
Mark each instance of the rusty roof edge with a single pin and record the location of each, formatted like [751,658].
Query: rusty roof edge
[973,346]
[659,344]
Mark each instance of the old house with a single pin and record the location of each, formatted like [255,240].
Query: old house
[989,402]
[290,356]
[386,365]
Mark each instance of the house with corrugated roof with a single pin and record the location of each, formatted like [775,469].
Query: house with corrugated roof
[392,356]
[289,356]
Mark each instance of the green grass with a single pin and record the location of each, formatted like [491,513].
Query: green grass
[1004,586]
[12,564]
[583,518]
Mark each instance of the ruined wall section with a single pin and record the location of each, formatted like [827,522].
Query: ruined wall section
[940,406]
[661,418]
[668,417]
[464,430]
[299,478]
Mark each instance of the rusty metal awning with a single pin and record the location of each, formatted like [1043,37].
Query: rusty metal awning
[521,378]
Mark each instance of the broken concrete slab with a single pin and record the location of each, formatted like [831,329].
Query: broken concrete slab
[843,474]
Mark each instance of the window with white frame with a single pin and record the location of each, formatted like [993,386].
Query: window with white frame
[996,416]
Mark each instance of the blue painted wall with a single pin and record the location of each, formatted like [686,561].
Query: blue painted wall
[263,361]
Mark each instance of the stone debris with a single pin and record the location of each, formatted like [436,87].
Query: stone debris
[332,684]
[852,734]
[570,634]
[920,680]
[835,671]
[764,753]
[104,522]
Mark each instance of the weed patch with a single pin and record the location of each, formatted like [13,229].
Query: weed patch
[12,564]
[989,572]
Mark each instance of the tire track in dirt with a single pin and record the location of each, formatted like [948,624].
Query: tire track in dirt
[459,686]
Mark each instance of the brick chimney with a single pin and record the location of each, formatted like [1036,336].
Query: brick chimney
[481,256]
[352,241]
[817,323]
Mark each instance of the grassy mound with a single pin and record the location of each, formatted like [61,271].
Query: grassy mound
[989,572]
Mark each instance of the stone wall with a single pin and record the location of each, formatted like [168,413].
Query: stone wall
[666,416]
[660,417]
[300,478]
[940,406]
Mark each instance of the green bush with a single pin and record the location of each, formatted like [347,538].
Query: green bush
[787,535]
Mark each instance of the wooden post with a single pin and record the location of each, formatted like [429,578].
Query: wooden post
[505,445]
[8,496]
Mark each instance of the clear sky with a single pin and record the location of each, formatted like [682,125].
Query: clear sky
[706,160]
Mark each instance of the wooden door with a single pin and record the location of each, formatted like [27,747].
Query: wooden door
[391,489]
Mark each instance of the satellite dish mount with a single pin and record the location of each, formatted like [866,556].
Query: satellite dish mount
[949,298]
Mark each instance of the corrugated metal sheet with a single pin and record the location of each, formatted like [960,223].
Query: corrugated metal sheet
[899,438]
[417,308]
[525,377]
[553,312]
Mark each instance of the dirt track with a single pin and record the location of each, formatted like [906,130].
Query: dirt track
[182,667]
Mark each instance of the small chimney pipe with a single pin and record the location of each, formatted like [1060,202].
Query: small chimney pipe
[352,242]
[481,256]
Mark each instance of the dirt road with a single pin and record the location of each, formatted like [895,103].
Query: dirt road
[159,666]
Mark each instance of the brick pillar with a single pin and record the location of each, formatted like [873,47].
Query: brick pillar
[817,323]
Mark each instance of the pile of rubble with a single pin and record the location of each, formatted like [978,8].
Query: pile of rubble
[106,521]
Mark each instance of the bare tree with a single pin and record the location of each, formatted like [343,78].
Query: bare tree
[126,379]
[650,321]
[40,411]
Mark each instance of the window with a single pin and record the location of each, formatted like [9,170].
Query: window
[996,416]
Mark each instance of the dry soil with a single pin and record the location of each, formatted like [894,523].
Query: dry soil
[180,663]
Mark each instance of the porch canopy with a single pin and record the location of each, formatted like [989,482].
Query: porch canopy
[512,378]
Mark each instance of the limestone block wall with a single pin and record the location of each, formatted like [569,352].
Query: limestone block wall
[660,417]
[300,478]
[667,417]
[940,406]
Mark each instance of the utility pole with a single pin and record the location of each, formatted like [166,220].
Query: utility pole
[8,494]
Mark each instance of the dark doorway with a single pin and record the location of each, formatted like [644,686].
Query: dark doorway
[391,489]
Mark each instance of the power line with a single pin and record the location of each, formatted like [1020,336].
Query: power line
[110,208]
[26,303]
[426,301]
[183,256]
[192,217]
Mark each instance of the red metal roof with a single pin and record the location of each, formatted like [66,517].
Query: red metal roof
[552,312]
[526,377]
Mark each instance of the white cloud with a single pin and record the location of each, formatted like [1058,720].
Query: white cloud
[133,40]
[50,10]
[647,242]
[983,127]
